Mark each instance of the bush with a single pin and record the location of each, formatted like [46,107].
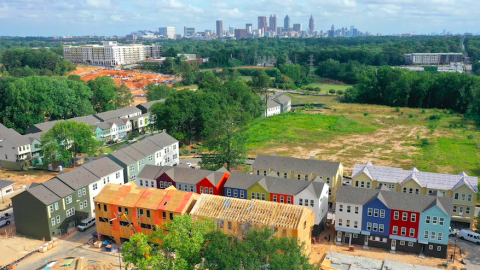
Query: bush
[185,152]
[340,92]
[397,109]
[425,142]
[366,114]
[332,91]
[193,151]
[435,117]
[410,115]
[423,111]
[470,137]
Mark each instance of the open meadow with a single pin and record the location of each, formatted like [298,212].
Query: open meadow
[431,140]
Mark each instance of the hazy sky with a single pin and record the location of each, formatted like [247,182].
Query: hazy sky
[120,17]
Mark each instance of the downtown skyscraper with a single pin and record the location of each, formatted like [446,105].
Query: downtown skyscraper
[273,23]
[311,24]
[262,23]
[286,23]
[219,28]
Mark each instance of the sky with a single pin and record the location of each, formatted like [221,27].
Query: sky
[121,17]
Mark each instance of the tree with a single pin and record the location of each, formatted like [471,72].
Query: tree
[157,92]
[261,81]
[188,78]
[332,91]
[170,52]
[339,92]
[75,78]
[104,94]
[124,97]
[65,140]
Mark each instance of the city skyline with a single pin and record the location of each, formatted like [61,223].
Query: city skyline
[27,18]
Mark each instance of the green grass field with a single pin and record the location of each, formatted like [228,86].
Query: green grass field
[326,87]
[192,86]
[357,133]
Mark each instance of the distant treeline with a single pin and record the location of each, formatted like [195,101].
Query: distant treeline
[24,62]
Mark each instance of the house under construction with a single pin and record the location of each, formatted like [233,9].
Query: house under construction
[237,216]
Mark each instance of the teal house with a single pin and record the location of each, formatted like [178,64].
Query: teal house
[433,228]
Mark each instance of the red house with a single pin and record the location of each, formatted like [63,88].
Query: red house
[404,223]
[213,184]
[281,198]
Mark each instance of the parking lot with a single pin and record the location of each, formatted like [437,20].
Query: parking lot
[473,258]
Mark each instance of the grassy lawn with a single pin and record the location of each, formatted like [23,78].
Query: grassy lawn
[193,86]
[113,148]
[326,87]
[247,78]
[357,133]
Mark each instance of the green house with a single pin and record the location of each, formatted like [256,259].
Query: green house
[258,191]
[51,209]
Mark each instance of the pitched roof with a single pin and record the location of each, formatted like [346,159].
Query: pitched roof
[297,165]
[162,139]
[123,157]
[462,182]
[146,147]
[104,125]
[78,178]
[46,126]
[188,175]
[425,179]
[152,172]
[224,170]
[14,137]
[148,105]
[242,180]
[58,187]
[125,195]
[43,194]
[272,104]
[6,183]
[105,116]
[283,99]
[102,167]
[393,200]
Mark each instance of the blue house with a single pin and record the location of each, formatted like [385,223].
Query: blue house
[238,184]
[376,221]
[434,227]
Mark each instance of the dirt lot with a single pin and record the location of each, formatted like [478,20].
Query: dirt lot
[319,249]
[15,247]
[83,70]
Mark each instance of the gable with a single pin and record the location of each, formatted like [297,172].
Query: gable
[376,203]
[362,177]
[411,183]
[434,211]
[257,188]
[205,183]
[463,189]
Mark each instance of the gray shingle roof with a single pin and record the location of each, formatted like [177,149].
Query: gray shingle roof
[162,139]
[6,183]
[105,116]
[151,172]
[148,105]
[425,179]
[78,178]
[272,104]
[242,180]
[43,194]
[297,165]
[187,175]
[46,126]
[58,187]
[15,138]
[146,147]
[104,125]
[283,99]
[102,167]
[123,157]
[394,200]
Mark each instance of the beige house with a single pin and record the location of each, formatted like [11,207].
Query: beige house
[302,169]
[462,188]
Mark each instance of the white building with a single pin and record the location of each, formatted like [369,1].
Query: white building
[168,31]
[454,67]
[110,53]
[315,196]
[432,58]
[273,108]
[278,104]
[348,218]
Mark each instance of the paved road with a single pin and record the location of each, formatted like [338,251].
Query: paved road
[73,246]
[477,210]
[473,259]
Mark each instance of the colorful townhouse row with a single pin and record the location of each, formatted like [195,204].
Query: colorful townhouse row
[313,194]
[393,220]
[59,204]
[461,188]
[20,152]
[148,207]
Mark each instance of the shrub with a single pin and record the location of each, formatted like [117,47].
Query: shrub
[470,137]
[410,115]
[331,91]
[193,151]
[435,117]
[340,92]
[397,109]
[401,113]
[423,111]
[425,142]
[366,114]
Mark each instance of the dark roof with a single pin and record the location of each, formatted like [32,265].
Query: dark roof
[151,172]
[297,165]
[393,200]
[188,175]
[242,180]
[102,167]
[43,194]
[78,178]
[283,99]
[123,157]
[148,105]
[6,183]
[146,147]
[104,125]
[162,139]
[46,126]
[58,187]
[272,104]
[105,116]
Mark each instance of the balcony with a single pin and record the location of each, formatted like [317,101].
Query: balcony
[23,157]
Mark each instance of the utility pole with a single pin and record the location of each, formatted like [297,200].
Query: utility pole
[311,60]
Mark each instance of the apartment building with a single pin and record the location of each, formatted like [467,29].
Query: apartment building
[111,53]
[302,169]
[237,216]
[462,188]
[433,58]
[392,220]
[145,208]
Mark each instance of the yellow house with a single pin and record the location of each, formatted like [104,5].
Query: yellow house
[237,216]
[302,169]
[462,188]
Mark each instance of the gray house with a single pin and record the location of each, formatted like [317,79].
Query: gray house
[145,107]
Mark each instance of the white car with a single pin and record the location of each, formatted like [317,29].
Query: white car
[452,232]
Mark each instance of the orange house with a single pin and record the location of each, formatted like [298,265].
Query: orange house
[145,208]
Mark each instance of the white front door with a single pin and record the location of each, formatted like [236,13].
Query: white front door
[394,244]
[366,240]
[460,211]
[339,236]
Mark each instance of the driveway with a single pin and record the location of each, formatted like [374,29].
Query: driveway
[473,259]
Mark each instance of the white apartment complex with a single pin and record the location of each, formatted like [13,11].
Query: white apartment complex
[110,53]
[432,58]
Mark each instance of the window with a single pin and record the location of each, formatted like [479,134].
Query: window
[70,212]
[362,184]
[348,208]
[164,215]
[439,248]
[404,190]
[132,167]
[95,186]
[117,175]
[264,173]
[51,208]
[381,228]
[191,188]
[456,196]
[264,197]
[442,221]
[469,198]
[341,208]
[81,206]
[356,183]
[211,191]
[430,247]
[434,221]
[340,222]
[355,235]
[328,180]
[368,184]
[84,191]
[370,210]
[467,211]
[258,172]
[391,186]
[402,243]
[405,216]
[171,216]
[281,199]
[375,227]
[410,190]
[356,209]
[148,213]
[413,218]
[312,203]
[412,232]
[463,196]
[79,193]
[404,231]
[229,192]
[56,206]
[375,212]
[306,177]
[300,201]
[299,176]
[369,226]
[58,219]
[253,196]
[395,215]
[69,199]
[432,235]
[355,224]
[289,200]
[201,189]
[242,194]
[410,244]
[425,234]
[454,208]
[284,175]
[235,193]
[105,208]
[53,221]
[440,236]
[141,184]
[348,222]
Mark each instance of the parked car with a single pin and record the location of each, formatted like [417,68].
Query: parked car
[469,236]
[452,232]
[5,220]
[86,223]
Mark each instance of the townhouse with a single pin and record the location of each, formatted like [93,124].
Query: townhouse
[145,208]
[393,220]
[302,169]
[236,216]
[15,150]
[278,104]
[114,130]
[313,194]
[160,149]
[183,178]
[53,207]
[145,107]
[462,188]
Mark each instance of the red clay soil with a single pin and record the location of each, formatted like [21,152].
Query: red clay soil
[135,82]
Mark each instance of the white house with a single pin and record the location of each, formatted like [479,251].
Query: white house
[348,218]
[273,108]
[6,187]
[15,150]
[315,196]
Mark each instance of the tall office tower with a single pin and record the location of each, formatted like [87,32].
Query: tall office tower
[189,31]
[219,28]
[262,23]
[311,24]
[286,23]
[333,28]
[168,31]
[231,29]
[297,27]
[273,23]
[249,28]
[240,33]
